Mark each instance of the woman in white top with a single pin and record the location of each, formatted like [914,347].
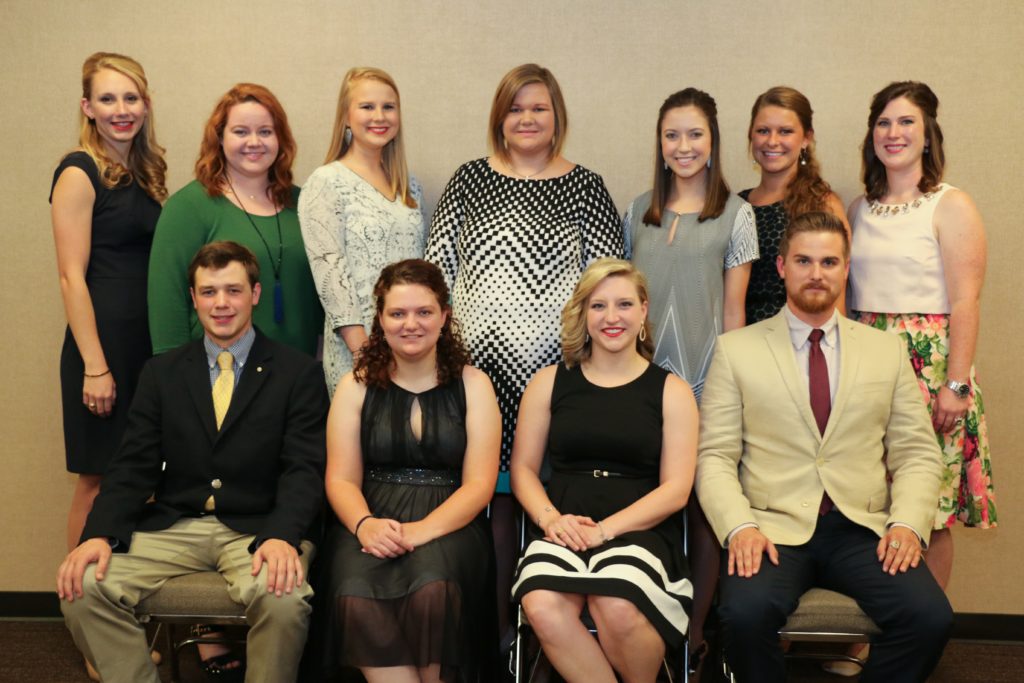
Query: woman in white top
[917,267]
[359,212]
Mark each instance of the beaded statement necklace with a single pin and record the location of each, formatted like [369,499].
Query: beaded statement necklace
[275,263]
[879,209]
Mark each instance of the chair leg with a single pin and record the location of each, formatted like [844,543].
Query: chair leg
[172,652]
[523,668]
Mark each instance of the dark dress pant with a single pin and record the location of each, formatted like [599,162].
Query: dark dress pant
[909,608]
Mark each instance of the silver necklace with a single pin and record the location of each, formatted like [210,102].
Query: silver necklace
[526,177]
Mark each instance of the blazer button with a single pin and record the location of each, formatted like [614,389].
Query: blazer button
[216,483]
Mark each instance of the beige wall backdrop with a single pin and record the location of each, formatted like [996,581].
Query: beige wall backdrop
[616,62]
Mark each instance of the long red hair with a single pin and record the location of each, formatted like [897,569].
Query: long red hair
[211,166]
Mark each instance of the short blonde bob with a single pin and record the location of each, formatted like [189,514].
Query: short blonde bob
[575,341]
[514,81]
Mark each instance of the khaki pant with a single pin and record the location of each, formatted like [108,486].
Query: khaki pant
[103,624]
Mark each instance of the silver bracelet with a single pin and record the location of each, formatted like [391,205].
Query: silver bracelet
[604,539]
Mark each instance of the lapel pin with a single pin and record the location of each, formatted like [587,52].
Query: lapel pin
[259,368]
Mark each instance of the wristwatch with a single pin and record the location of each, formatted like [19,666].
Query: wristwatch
[961,389]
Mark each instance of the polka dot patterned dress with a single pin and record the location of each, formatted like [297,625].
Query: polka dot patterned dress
[766,293]
[512,251]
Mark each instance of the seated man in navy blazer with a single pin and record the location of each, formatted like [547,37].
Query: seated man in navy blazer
[221,468]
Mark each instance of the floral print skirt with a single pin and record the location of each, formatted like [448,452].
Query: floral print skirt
[966,493]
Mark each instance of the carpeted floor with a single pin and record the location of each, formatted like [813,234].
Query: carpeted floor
[42,652]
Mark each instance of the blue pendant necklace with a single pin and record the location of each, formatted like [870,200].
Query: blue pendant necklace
[275,264]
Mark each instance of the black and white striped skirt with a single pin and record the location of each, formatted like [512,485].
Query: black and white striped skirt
[643,567]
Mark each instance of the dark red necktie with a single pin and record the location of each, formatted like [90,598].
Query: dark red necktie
[821,399]
[817,370]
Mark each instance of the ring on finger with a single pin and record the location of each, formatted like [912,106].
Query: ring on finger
[894,544]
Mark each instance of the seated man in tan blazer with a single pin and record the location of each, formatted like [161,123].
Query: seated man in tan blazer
[804,415]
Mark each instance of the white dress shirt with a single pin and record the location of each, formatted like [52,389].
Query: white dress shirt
[799,333]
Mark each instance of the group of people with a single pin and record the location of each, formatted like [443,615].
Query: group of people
[530,351]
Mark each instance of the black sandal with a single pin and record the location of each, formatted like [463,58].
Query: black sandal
[217,668]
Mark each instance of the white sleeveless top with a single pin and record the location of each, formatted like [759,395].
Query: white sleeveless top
[895,262]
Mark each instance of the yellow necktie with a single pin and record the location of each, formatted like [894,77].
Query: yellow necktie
[224,386]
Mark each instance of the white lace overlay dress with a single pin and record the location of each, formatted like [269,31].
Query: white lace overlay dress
[351,231]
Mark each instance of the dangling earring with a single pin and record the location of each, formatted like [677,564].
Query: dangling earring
[665,165]
[643,331]
[348,135]
[709,162]
[927,149]
[586,338]
[803,156]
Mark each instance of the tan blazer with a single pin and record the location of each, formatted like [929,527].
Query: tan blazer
[762,459]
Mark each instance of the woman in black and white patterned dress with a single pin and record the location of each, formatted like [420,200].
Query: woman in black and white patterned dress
[512,234]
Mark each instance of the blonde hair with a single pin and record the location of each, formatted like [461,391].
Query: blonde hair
[146,162]
[514,81]
[394,152]
[575,342]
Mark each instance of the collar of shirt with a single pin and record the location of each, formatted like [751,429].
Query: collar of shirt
[239,351]
[800,332]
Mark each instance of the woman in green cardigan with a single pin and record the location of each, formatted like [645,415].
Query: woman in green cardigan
[242,192]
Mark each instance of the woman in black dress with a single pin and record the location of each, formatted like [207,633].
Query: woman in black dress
[620,434]
[105,201]
[781,136]
[412,457]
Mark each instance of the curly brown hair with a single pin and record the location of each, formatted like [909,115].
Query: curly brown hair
[373,366]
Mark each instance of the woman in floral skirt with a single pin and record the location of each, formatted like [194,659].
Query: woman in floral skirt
[917,269]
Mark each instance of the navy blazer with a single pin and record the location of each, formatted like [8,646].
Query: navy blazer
[265,466]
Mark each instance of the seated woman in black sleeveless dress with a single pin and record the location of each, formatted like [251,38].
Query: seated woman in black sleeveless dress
[620,435]
[412,457]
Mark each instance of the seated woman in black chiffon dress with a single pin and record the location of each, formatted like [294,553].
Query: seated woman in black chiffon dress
[620,435]
[412,458]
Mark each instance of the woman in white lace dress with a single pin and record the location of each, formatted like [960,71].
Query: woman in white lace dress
[359,212]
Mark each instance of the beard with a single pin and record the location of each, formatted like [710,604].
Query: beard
[814,300]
